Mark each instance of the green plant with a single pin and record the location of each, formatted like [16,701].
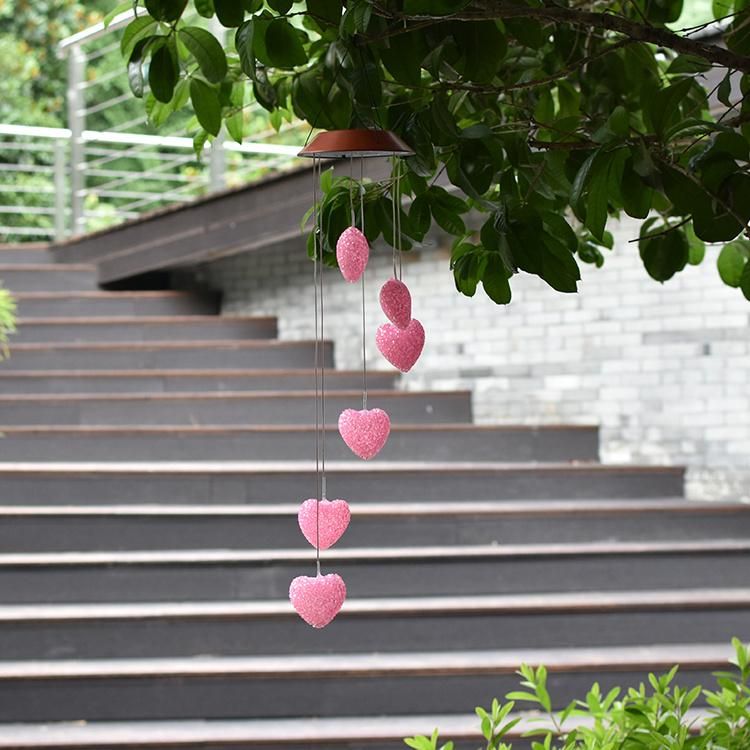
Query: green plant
[549,118]
[653,717]
[7,320]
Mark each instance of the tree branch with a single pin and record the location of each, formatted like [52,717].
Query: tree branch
[639,32]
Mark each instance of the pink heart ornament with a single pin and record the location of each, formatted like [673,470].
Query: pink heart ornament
[325,521]
[352,253]
[401,347]
[365,431]
[395,301]
[317,600]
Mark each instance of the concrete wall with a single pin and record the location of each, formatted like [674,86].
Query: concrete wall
[664,369]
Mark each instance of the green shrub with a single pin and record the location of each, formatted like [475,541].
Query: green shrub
[7,320]
[653,717]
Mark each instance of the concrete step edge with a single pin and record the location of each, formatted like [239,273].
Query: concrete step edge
[617,658]
[557,603]
[330,731]
[491,552]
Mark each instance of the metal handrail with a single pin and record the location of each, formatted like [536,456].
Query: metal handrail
[62,181]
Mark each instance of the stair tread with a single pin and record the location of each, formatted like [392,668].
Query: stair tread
[102,294]
[374,510]
[240,429]
[287,731]
[223,396]
[160,345]
[5,267]
[289,467]
[199,373]
[695,655]
[144,320]
[591,601]
[386,554]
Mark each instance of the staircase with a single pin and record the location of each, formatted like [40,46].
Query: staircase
[153,459]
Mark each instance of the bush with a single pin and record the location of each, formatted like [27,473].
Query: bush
[656,717]
[7,320]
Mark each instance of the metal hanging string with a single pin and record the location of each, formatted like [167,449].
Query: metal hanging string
[317,362]
[393,222]
[322,376]
[398,219]
[364,306]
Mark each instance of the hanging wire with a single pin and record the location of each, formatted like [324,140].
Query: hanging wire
[322,379]
[317,364]
[364,306]
[399,239]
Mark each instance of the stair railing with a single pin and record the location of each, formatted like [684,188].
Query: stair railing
[110,165]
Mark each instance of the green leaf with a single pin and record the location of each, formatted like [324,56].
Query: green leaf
[745,282]
[135,31]
[243,43]
[207,51]
[120,8]
[419,216]
[495,280]
[165,10]
[483,47]
[236,126]
[205,8]
[697,247]
[205,101]
[403,57]
[662,106]
[328,11]
[229,12]
[283,44]
[135,66]
[280,6]
[163,73]
[665,255]
[732,261]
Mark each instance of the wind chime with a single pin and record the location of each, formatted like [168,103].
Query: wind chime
[365,431]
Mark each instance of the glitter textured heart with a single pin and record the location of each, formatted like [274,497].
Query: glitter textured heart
[395,301]
[325,521]
[365,431]
[319,599]
[401,347]
[352,253]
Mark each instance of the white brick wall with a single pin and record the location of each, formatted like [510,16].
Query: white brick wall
[663,369]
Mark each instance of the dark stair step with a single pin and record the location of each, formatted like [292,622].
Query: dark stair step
[177,355]
[32,277]
[270,482]
[185,575]
[434,442]
[269,687]
[264,408]
[351,733]
[143,328]
[177,381]
[153,527]
[404,624]
[343,733]
[25,254]
[91,304]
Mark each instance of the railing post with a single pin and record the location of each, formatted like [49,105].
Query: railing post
[61,191]
[77,124]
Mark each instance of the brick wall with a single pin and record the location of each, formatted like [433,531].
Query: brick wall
[663,369]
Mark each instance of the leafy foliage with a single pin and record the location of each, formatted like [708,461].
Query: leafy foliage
[548,119]
[7,320]
[653,717]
